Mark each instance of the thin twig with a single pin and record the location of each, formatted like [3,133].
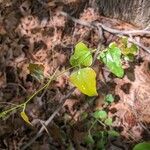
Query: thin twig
[124,32]
[17,84]
[147,49]
[78,21]
[148,27]
[48,121]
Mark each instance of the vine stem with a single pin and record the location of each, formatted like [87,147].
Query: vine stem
[93,124]
[34,94]
[11,109]
[42,88]
[45,86]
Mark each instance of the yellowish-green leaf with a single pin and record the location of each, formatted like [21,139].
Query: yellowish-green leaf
[127,48]
[108,121]
[37,71]
[25,117]
[82,56]
[85,80]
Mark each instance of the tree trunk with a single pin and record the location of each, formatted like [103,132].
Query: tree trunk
[133,11]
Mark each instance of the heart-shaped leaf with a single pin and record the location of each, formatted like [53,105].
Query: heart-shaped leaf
[37,71]
[100,114]
[142,146]
[85,80]
[112,59]
[82,56]
[109,98]
[127,48]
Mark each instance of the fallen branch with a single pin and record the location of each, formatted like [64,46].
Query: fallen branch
[147,49]
[113,31]
[124,32]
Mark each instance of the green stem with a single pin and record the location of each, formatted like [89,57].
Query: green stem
[45,86]
[101,123]
[34,94]
[24,107]
[11,109]
[93,124]
[38,91]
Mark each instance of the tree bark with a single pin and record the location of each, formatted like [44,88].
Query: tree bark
[133,11]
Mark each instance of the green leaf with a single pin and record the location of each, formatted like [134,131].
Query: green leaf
[101,143]
[84,115]
[82,56]
[127,47]
[25,117]
[129,57]
[85,80]
[113,133]
[37,71]
[108,121]
[109,98]
[111,57]
[142,146]
[100,114]
[89,139]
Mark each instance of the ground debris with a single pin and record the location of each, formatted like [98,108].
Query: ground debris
[35,32]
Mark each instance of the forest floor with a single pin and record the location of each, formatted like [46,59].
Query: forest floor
[37,32]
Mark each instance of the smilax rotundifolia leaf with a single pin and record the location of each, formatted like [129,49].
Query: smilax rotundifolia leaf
[82,56]
[127,47]
[100,114]
[142,146]
[111,57]
[85,80]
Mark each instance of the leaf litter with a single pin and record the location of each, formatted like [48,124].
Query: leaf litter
[30,33]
